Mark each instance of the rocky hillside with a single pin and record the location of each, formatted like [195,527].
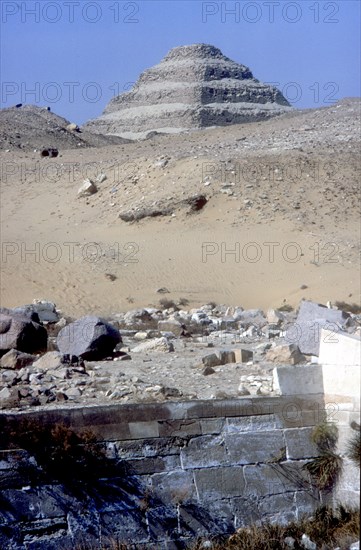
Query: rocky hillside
[194,86]
[28,127]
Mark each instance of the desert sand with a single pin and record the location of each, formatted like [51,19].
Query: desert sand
[283,194]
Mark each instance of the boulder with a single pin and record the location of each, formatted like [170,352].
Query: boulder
[45,310]
[89,337]
[22,311]
[15,359]
[307,543]
[243,355]
[156,344]
[207,371]
[8,398]
[254,317]
[21,333]
[311,311]
[275,317]
[101,178]
[242,390]
[141,335]
[211,360]
[88,188]
[196,202]
[200,318]
[311,318]
[72,127]
[137,317]
[51,360]
[290,542]
[171,325]
[226,356]
[285,353]
[8,377]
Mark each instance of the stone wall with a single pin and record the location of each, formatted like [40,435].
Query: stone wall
[187,469]
[337,376]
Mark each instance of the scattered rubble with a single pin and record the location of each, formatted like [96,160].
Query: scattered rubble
[216,352]
[285,354]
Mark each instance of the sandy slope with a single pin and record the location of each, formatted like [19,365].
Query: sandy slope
[294,179]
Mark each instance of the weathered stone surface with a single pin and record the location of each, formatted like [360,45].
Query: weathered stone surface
[141,430]
[8,377]
[43,310]
[50,360]
[266,480]
[72,127]
[307,543]
[341,349]
[307,335]
[179,428]
[21,333]
[251,316]
[214,483]
[226,356]
[243,355]
[22,311]
[171,325]
[311,318]
[164,208]
[311,311]
[242,390]
[299,444]
[275,317]
[279,508]
[9,397]
[207,371]
[211,360]
[192,87]
[254,423]
[177,481]
[251,447]
[137,317]
[212,425]
[15,359]
[176,486]
[87,188]
[155,345]
[285,353]
[204,452]
[46,310]
[303,379]
[89,337]
[73,393]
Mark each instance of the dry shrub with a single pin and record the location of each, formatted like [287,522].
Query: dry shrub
[326,468]
[61,453]
[349,308]
[328,528]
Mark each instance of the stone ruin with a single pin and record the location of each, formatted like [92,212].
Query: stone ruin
[194,86]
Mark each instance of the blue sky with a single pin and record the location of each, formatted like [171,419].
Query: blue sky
[75,55]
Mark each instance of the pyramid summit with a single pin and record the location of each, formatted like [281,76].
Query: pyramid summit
[194,86]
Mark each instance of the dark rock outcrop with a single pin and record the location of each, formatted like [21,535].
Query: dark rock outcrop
[22,333]
[89,337]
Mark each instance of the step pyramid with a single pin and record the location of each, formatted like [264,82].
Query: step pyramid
[193,87]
